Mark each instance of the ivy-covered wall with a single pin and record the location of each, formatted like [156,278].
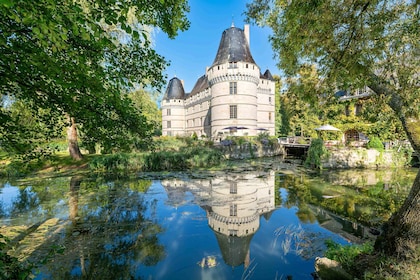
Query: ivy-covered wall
[364,158]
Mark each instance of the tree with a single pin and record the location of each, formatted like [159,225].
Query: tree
[146,102]
[80,57]
[356,44]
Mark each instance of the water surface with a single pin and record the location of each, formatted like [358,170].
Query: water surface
[249,225]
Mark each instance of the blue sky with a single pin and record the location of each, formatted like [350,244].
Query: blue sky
[195,49]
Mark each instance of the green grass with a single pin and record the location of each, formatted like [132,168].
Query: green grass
[363,262]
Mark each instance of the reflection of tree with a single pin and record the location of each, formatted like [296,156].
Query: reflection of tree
[366,197]
[107,234]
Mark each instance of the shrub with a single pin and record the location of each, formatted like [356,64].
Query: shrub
[346,254]
[316,152]
[10,267]
[112,164]
[375,143]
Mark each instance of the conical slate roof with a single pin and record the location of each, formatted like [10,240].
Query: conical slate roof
[175,89]
[234,249]
[233,47]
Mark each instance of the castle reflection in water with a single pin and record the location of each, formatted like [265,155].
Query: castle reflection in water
[234,204]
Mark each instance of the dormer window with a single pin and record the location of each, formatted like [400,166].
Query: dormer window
[233,65]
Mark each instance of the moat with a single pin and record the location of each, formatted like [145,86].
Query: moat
[266,224]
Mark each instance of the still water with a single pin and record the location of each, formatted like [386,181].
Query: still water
[245,225]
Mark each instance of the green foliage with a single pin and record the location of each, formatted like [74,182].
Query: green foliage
[194,136]
[341,39]
[316,153]
[115,164]
[184,159]
[375,143]
[145,101]
[11,267]
[77,59]
[346,255]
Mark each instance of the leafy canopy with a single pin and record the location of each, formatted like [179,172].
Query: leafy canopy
[79,57]
[353,44]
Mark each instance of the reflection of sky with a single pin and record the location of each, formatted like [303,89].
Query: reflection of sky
[11,196]
[188,238]
[8,194]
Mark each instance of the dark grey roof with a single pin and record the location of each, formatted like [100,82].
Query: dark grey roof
[175,89]
[234,249]
[201,84]
[267,75]
[233,47]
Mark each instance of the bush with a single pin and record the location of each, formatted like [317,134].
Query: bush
[316,153]
[113,164]
[346,255]
[10,267]
[375,143]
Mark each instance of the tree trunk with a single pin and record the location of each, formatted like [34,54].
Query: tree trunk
[74,149]
[75,182]
[401,235]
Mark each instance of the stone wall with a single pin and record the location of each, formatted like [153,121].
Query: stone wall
[248,150]
[362,158]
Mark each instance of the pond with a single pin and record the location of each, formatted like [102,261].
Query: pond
[268,224]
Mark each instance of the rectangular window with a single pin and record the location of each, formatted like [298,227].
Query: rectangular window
[168,124]
[269,99]
[269,116]
[233,111]
[233,65]
[233,188]
[233,88]
[233,210]
[168,112]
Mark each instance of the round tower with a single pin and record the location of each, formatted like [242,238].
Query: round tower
[173,112]
[233,79]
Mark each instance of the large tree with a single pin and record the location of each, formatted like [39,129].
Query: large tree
[355,44]
[79,57]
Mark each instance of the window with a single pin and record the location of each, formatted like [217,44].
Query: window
[269,116]
[233,65]
[233,210]
[168,124]
[168,112]
[358,109]
[233,188]
[246,65]
[233,88]
[233,111]
[269,99]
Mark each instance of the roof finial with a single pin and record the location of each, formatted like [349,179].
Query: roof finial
[233,24]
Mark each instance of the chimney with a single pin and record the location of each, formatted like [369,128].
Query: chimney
[246,32]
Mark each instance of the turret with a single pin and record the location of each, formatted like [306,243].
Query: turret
[173,112]
[233,78]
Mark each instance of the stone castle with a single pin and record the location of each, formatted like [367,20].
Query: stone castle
[231,98]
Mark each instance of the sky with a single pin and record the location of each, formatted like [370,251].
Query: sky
[195,49]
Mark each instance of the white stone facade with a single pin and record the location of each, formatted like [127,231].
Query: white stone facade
[231,98]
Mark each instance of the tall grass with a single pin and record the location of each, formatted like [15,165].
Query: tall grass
[184,159]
